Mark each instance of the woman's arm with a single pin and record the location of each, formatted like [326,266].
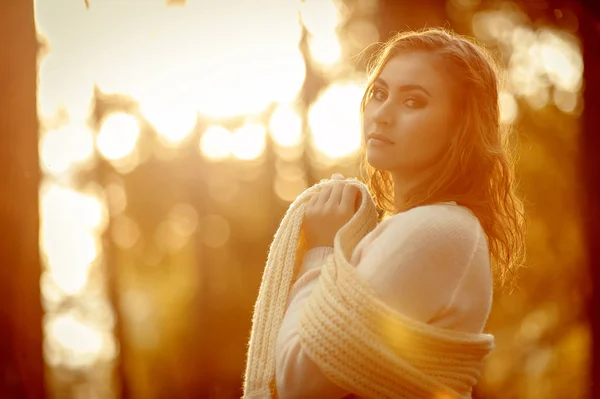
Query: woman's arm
[296,375]
[416,264]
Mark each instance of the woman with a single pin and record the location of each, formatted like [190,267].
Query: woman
[440,172]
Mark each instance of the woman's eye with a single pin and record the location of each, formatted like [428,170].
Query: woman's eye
[413,103]
[375,92]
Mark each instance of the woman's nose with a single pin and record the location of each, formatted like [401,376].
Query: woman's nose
[383,114]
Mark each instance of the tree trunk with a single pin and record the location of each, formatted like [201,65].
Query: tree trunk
[21,362]
[590,168]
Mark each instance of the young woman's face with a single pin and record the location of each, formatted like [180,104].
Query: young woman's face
[410,106]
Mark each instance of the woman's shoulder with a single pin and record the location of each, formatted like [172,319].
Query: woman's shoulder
[444,217]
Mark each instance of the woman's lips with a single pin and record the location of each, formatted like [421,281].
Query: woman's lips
[379,139]
[378,142]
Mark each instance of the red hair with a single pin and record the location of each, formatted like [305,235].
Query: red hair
[478,169]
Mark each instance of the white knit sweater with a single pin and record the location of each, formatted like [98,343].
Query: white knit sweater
[430,263]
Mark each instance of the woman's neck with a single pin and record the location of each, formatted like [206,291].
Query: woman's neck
[404,183]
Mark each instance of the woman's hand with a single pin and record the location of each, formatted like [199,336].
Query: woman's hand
[328,210]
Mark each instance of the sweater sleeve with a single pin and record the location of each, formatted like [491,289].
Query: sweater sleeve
[415,264]
[309,270]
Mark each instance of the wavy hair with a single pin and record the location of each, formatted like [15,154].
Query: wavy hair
[477,171]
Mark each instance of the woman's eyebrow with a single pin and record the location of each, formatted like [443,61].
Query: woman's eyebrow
[402,88]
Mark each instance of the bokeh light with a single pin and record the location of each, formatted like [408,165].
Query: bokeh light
[335,121]
[71,342]
[290,180]
[326,50]
[211,79]
[118,136]
[285,126]
[249,141]
[509,109]
[173,118]
[216,143]
[125,231]
[320,18]
[215,230]
[69,226]
[65,147]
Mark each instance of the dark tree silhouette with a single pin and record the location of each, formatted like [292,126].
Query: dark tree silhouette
[21,362]
[590,167]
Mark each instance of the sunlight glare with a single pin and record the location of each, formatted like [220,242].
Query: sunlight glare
[63,148]
[168,59]
[334,120]
[562,60]
[566,101]
[69,226]
[325,50]
[320,17]
[509,108]
[285,126]
[55,89]
[70,254]
[65,206]
[173,118]
[118,136]
[249,141]
[73,343]
[216,143]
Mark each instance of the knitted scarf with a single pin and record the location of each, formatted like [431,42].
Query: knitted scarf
[358,342]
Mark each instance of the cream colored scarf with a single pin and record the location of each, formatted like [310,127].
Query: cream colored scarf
[357,341]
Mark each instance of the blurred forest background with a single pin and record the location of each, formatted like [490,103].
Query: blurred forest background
[170,138]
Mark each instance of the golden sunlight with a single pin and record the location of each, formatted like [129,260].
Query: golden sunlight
[290,180]
[173,118]
[118,136]
[62,205]
[73,343]
[566,101]
[540,59]
[184,219]
[320,17]
[335,121]
[124,231]
[285,126]
[174,232]
[57,89]
[288,189]
[325,50]
[168,59]
[561,58]
[509,109]
[65,147]
[168,239]
[216,143]
[249,141]
[215,230]
[69,227]
[70,255]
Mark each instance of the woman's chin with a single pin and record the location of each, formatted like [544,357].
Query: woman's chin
[378,162]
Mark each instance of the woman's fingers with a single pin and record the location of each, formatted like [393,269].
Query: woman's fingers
[313,199]
[336,194]
[324,195]
[330,194]
[349,197]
